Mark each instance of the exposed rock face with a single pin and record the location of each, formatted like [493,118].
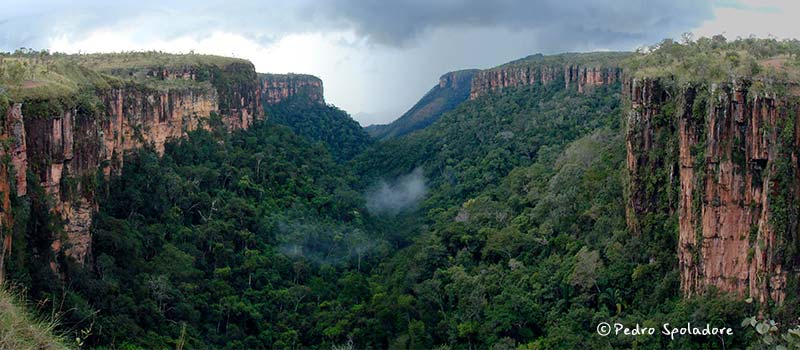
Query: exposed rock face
[457,79]
[725,158]
[577,76]
[152,118]
[12,139]
[18,149]
[67,149]
[240,95]
[278,87]
[645,101]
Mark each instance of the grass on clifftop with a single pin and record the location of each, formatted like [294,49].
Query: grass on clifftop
[718,60]
[32,77]
[35,75]
[589,59]
[20,330]
[145,59]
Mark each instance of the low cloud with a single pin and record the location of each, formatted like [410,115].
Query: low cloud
[324,242]
[398,195]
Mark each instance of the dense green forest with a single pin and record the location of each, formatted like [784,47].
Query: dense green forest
[319,122]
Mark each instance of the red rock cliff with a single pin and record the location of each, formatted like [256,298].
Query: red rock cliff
[457,79]
[278,87]
[65,147]
[576,76]
[723,158]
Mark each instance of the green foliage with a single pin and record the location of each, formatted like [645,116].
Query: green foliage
[41,75]
[784,211]
[716,59]
[232,81]
[527,242]
[343,136]
[770,336]
[577,59]
[226,241]
[481,141]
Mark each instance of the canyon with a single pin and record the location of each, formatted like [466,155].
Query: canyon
[717,159]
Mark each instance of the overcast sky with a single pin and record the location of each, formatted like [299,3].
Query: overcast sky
[378,57]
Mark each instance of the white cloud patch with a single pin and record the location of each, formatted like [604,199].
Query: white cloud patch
[761,18]
[398,195]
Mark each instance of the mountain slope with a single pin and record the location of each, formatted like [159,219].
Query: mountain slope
[342,135]
[453,88]
[501,129]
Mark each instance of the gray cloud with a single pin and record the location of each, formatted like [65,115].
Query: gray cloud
[398,22]
[393,23]
[401,194]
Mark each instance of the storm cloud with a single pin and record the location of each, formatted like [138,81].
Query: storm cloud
[392,23]
[375,57]
[398,22]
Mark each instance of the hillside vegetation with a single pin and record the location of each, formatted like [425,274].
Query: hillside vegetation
[436,102]
[34,75]
[717,59]
[317,122]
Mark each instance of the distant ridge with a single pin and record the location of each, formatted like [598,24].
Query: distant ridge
[453,88]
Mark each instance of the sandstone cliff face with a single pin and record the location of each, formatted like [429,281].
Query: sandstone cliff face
[726,158]
[65,150]
[12,139]
[240,95]
[278,87]
[457,80]
[580,77]
[10,150]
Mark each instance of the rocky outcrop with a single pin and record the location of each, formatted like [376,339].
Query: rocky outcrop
[66,142]
[648,192]
[577,76]
[723,158]
[15,130]
[14,155]
[457,80]
[278,87]
[7,180]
